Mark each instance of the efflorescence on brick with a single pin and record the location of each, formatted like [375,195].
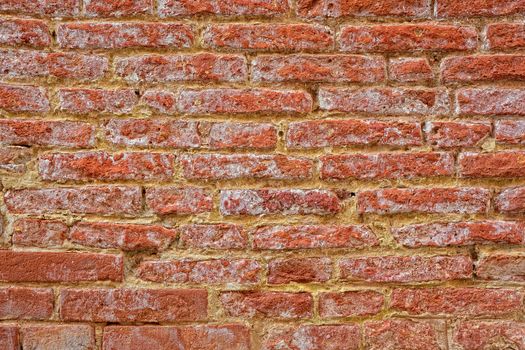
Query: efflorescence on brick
[262,174]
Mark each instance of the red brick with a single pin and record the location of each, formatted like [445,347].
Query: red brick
[242,136]
[160,101]
[491,101]
[477,8]
[328,337]
[386,166]
[26,32]
[385,100]
[269,37]
[460,233]
[282,202]
[121,35]
[133,305]
[364,8]
[511,132]
[483,68]
[58,337]
[26,132]
[104,200]
[23,98]
[407,38]
[99,165]
[313,237]
[59,267]
[423,200]
[299,270]
[217,236]
[212,271]
[128,237]
[238,101]
[450,134]
[52,8]
[503,36]
[28,64]
[9,337]
[406,268]
[341,133]
[81,101]
[266,304]
[510,200]
[497,164]
[350,303]
[322,68]
[39,233]
[405,334]
[26,303]
[479,335]
[199,67]
[178,200]
[503,267]
[14,159]
[200,337]
[457,301]
[238,166]
[104,8]
[267,8]
[410,70]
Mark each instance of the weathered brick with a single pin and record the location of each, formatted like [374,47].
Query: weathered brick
[26,32]
[503,267]
[39,233]
[364,8]
[385,100]
[120,35]
[133,305]
[269,37]
[406,268]
[59,267]
[496,164]
[478,335]
[483,68]
[386,166]
[477,8]
[405,334]
[81,101]
[322,68]
[26,132]
[332,337]
[14,159]
[52,8]
[266,8]
[178,200]
[28,64]
[510,132]
[410,70]
[275,201]
[462,302]
[104,200]
[313,237]
[203,337]
[26,303]
[212,271]
[9,337]
[128,237]
[242,136]
[58,337]
[199,67]
[161,101]
[350,303]
[23,98]
[510,200]
[216,236]
[407,38]
[232,166]
[341,133]
[491,101]
[452,134]
[460,233]
[266,304]
[103,8]
[243,101]
[423,200]
[99,165]
[503,36]
[299,270]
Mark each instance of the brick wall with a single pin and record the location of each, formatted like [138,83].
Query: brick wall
[262,174]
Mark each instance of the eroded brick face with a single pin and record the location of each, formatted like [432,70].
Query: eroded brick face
[262,174]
